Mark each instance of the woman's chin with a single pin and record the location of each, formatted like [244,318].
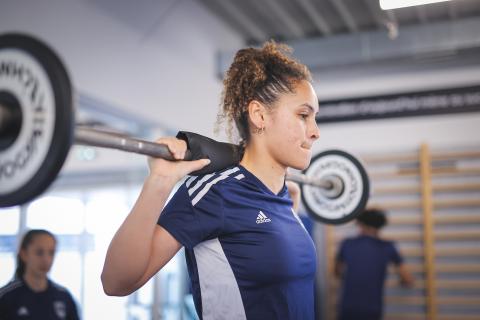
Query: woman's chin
[301,164]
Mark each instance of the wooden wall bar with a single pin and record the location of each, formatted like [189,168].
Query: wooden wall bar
[433,200]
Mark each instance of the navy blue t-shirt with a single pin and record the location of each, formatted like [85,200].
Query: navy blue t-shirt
[366,260]
[248,254]
[18,301]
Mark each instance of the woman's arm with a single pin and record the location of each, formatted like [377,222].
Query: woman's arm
[140,247]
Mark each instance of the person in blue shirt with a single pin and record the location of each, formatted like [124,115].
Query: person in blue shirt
[31,295]
[247,252]
[361,264]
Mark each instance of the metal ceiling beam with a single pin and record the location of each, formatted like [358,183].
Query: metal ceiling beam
[317,19]
[379,16]
[452,10]
[345,14]
[391,15]
[294,29]
[245,21]
[421,14]
[413,42]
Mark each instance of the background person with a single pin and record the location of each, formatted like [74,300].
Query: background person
[31,295]
[361,264]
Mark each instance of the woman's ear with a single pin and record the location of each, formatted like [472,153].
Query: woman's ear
[256,115]
[23,255]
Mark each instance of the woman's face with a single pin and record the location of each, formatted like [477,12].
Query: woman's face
[38,256]
[291,127]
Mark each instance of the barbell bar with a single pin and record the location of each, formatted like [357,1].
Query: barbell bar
[37,129]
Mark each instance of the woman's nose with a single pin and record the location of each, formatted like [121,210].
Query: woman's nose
[314,131]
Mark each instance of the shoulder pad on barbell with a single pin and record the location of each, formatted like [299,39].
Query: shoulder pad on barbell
[221,154]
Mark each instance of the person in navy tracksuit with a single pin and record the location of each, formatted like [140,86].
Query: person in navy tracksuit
[31,295]
[248,254]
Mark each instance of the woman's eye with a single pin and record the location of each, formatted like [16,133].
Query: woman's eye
[304,116]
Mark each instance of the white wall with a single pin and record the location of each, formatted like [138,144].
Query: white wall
[154,58]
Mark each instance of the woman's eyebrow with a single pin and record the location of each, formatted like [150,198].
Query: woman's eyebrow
[309,106]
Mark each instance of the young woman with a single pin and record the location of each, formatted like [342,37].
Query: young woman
[31,295]
[248,254]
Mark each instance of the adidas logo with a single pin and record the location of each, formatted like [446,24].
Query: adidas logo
[23,311]
[262,218]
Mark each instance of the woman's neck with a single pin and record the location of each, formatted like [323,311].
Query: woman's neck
[36,283]
[265,169]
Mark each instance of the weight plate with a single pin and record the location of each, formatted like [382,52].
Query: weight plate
[337,166]
[34,82]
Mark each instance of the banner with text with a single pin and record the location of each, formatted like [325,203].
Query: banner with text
[456,100]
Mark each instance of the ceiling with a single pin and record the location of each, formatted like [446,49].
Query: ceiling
[287,20]
[356,39]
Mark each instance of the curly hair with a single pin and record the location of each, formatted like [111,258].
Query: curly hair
[260,74]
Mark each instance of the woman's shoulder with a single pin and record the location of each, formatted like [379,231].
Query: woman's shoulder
[58,288]
[216,179]
[10,287]
[214,185]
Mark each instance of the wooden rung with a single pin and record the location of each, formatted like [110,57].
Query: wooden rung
[447,171]
[459,300]
[459,267]
[404,219]
[421,316]
[420,300]
[457,251]
[456,203]
[440,284]
[405,173]
[443,267]
[439,251]
[405,300]
[418,252]
[407,316]
[404,236]
[375,159]
[458,284]
[438,219]
[438,235]
[456,187]
[413,172]
[392,205]
[457,218]
[457,235]
[412,252]
[438,204]
[435,156]
[396,190]
[458,317]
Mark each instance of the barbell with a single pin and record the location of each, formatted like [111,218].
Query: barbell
[37,129]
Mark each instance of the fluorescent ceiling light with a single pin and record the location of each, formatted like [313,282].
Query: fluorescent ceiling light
[394,4]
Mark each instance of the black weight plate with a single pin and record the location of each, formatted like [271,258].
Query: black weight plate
[34,77]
